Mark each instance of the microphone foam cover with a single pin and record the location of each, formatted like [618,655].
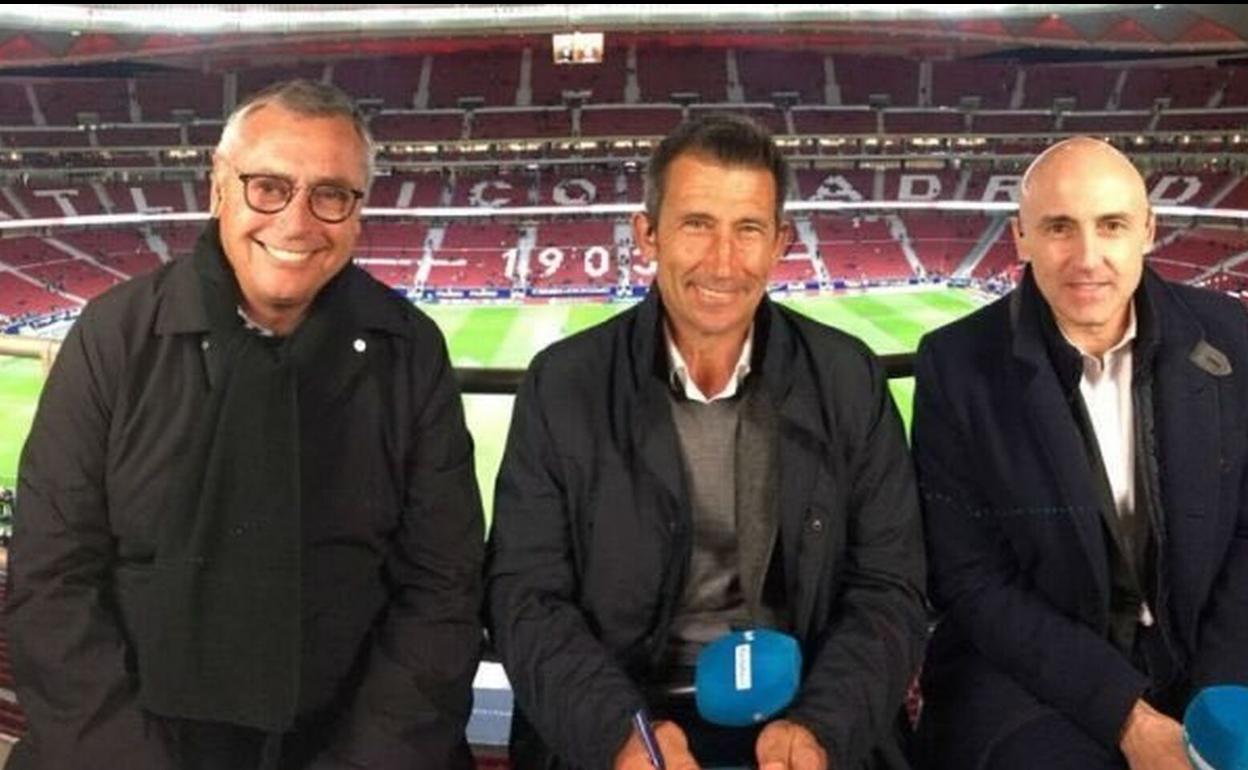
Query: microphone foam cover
[747,677]
[1215,728]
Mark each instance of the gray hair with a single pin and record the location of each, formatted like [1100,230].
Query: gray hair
[303,97]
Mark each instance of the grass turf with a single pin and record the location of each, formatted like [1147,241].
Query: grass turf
[509,336]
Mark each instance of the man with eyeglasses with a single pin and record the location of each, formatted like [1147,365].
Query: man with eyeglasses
[248,533]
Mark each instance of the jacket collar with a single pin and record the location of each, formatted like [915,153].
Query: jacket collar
[1171,357]
[1037,342]
[184,306]
[769,361]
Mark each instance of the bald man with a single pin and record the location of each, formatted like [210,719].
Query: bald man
[1081,446]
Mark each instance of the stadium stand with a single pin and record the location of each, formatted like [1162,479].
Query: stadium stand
[98,139]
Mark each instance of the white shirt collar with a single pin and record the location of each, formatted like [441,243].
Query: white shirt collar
[681,380]
[252,326]
[1106,390]
[1105,360]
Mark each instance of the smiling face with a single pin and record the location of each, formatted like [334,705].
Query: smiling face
[715,242]
[1084,224]
[283,260]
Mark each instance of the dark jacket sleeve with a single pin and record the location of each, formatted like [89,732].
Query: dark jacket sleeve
[69,653]
[414,702]
[977,583]
[1222,657]
[853,691]
[1222,652]
[566,682]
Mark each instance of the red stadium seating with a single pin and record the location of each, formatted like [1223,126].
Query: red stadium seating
[474,255]
[1184,87]
[26,251]
[407,191]
[20,298]
[629,121]
[1089,86]
[1134,122]
[139,136]
[835,184]
[924,122]
[794,268]
[835,121]
[198,94]
[861,77]
[860,249]
[662,72]
[1000,259]
[1203,121]
[63,100]
[516,123]
[148,196]
[573,254]
[577,188]
[123,250]
[604,82]
[73,276]
[253,79]
[493,76]
[765,73]
[1011,122]
[392,81]
[511,96]
[392,251]
[942,241]
[442,126]
[14,106]
[991,83]
[492,189]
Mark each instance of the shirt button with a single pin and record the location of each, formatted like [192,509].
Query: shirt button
[205,344]
[816,525]
[359,345]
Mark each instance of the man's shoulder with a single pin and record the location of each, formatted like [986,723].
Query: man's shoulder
[589,352]
[819,338]
[388,309]
[134,298]
[983,329]
[1219,315]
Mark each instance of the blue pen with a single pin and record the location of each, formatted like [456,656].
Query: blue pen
[641,720]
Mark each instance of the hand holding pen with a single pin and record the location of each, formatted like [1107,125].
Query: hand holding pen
[655,746]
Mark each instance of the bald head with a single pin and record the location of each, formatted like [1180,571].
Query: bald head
[1084,224]
[1086,158]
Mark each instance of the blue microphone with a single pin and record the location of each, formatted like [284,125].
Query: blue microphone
[1215,728]
[747,677]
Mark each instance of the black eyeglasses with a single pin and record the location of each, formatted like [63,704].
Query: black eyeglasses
[269,194]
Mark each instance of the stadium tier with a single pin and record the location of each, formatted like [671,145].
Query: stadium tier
[639,90]
[56,269]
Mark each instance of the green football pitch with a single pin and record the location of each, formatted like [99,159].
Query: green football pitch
[509,335]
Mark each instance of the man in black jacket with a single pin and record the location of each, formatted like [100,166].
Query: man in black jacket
[705,461]
[1083,458]
[248,533]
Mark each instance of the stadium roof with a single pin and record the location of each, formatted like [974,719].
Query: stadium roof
[56,36]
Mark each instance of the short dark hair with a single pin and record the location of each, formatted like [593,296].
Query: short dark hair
[733,140]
